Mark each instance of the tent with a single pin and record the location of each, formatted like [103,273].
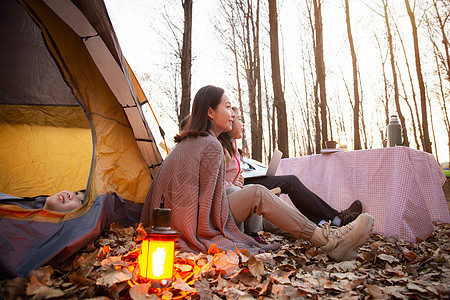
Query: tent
[71,117]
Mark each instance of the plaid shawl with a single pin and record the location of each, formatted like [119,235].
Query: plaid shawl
[192,177]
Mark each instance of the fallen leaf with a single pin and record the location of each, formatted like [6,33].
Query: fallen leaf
[245,255]
[234,293]
[203,270]
[33,285]
[353,284]
[79,277]
[203,289]
[117,289]
[127,232]
[107,241]
[14,288]
[281,276]
[264,257]
[228,262]
[411,256]
[266,290]
[114,277]
[347,266]
[45,292]
[256,267]
[375,291]
[140,233]
[304,287]
[368,256]
[416,288]
[183,267]
[286,291]
[105,250]
[181,285]
[111,260]
[213,249]
[244,276]
[388,258]
[42,274]
[223,284]
[86,260]
[139,291]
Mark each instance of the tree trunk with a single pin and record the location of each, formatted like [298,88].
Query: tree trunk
[444,38]
[315,96]
[447,67]
[386,95]
[279,101]
[320,68]
[239,92]
[294,135]
[416,140]
[443,105]
[394,75]
[413,91]
[423,100]
[250,74]
[356,136]
[363,124]
[255,34]
[274,131]
[306,117]
[269,121]
[186,61]
[432,130]
[317,119]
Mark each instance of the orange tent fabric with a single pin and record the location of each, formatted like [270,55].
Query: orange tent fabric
[71,118]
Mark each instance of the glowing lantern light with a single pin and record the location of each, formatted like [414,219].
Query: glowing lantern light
[158,249]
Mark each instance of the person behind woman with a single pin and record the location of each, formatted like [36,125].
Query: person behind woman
[308,203]
[192,178]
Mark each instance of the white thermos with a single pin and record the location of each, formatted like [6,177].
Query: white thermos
[394,132]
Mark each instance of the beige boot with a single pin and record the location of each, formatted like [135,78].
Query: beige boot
[319,237]
[343,242]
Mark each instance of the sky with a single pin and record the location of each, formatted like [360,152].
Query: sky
[141,31]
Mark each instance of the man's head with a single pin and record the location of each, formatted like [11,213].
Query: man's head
[64,201]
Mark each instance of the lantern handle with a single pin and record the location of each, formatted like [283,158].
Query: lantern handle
[163,199]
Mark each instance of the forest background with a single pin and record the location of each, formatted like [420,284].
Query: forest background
[302,72]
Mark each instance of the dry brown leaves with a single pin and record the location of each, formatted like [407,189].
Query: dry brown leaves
[384,268]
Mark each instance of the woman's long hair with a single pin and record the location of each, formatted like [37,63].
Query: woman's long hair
[199,123]
[227,143]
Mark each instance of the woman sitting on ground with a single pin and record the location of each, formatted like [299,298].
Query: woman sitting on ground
[192,178]
[308,203]
[63,201]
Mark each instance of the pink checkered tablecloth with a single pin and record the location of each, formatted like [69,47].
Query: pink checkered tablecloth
[401,187]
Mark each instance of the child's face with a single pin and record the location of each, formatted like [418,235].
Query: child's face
[64,201]
[238,126]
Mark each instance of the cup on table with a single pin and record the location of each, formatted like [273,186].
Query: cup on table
[330,144]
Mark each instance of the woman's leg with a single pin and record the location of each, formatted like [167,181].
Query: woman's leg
[256,198]
[308,203]
[340,244]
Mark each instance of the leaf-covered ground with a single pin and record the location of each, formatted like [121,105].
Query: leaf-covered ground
[384,268]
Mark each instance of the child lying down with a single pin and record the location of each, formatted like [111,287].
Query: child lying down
[61,202]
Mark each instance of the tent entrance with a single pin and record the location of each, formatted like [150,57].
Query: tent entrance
[46,140]
[44,149]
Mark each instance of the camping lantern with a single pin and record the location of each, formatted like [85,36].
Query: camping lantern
[158,249]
